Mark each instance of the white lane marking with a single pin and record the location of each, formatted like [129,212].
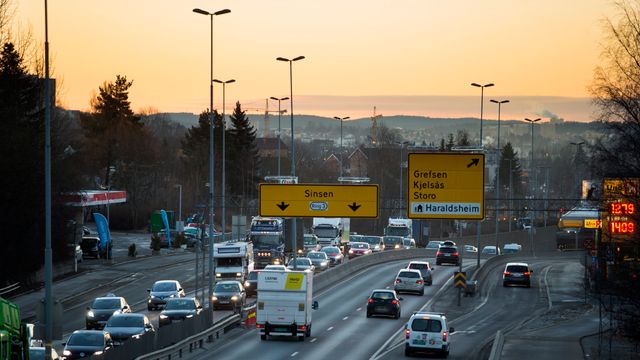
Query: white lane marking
[345,318]
[546,284]
[358,309]
[294,354]
[330,328]
[313,340]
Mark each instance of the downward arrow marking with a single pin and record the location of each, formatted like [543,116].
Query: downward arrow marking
[282,206]
[354,206]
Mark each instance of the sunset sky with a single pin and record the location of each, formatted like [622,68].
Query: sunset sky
[359,54]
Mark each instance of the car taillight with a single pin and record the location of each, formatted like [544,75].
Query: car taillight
[507,273]
[370,301]
[258,326]
[302,328]
[407,333]
[398,281]
[527,274]
[418,282]
[439,253]
[394,302]
[444,336]
[455,253]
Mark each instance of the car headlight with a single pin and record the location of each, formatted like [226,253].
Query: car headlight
[173,295]
[136,336]
[66,352]
[117,312]
[234,298]
[377,247]
[214,298]
[397,246]
[299,251]
[238,274]
[153,296]
[350,251]
[324,263]
[99,352]
[247,284]
[218,275]
[163,316]
[189,316]
[90,314]
[276,262]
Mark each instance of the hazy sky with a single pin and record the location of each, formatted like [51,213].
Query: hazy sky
[377,50]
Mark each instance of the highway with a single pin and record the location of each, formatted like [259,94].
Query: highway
[340,328]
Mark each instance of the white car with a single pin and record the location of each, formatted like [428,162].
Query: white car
[511,248]
[276,267]
[302,264]
[409,280]
[470,249]
[491,250]
[427,332]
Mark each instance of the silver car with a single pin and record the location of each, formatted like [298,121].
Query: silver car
[409,280]
[319,259]
[163,290]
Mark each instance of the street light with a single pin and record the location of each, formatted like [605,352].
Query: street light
[211,270]
[481,104]
[498,153]
[402,144]
[341,120]
[224,155]
[531,183]
[293,148]
[279,100]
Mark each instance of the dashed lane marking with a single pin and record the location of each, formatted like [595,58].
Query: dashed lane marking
[330,328]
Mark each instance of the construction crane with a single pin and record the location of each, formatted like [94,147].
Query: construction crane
[265,129]
[374,127]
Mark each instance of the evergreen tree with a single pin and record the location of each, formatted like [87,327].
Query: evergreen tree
[509,161]
[243,156]
[462,138]
[450,142]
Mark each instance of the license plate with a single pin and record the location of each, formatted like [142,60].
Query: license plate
[278,329]
[224,302]
[447,254]
[419,342]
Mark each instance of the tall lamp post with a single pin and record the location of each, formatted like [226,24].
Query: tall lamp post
[48,259]
[341,120]
[211,238]
[280,111]
[294,229]
[224,153]
[498,153]
[531,184]
[479,222]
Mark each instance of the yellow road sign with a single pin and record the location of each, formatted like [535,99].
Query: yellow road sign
[460,279]
[319,200]
[445,186]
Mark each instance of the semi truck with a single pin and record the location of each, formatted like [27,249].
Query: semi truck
[331,231]
[399,227]
[14,334]
[233,260]
[285,304]
[268,239]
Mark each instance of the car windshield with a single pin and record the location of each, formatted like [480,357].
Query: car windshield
[180,304]
[382,295]
[89,242]
[510,250]
[490,250]
[106,304]
[317,255]
[265,240]
[253,275]
[355,238]
[164,286]
[310,240]
[426,325]
[228,262]
[433,244]
[408,274]
[406,242]
[446,249]
[125,321]
[418,266]
[301,261]
[397,231]
[359,246]
[86,338]
[331,250]
[517,268]
[391,240]
[373,240]
[220,287]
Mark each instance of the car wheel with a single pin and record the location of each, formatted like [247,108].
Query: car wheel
[437,263]
[149,307]
[422,292]
[407,352]
[528,285]
[504,284]
[301,338]
[430,283]
[368,314]
[308,332]
[263,337]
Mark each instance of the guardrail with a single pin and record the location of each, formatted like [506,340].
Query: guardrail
[193,342]
[10,288]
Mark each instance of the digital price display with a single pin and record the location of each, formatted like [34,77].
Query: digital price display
[622,208]
[622,227]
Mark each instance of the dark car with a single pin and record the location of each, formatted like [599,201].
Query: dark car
[85,343]
[448,254]
[229,294]
[101,310]
[384,302]
[163,290]
[319,259]
[251,284]
[392,242]
[123,327]
[517,273]
[179,309]
[90,246]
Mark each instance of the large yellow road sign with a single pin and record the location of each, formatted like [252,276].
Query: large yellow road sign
[319,200]
[445,186]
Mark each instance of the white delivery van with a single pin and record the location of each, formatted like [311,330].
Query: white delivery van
[284,304]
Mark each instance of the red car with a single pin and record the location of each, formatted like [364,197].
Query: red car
[358,249]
